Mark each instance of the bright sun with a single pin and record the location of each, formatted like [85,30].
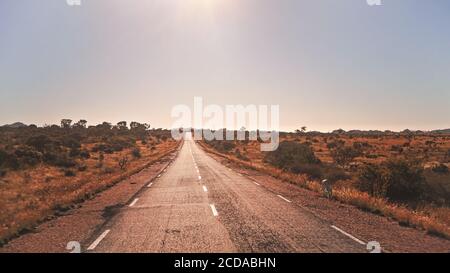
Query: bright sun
[199,8]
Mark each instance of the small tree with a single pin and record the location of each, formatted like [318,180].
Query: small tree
[82,123]
[135,125]
[122,125]
[105,125]
[66,123]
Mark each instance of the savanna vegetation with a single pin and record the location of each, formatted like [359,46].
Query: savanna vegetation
[404,175]
[46,170]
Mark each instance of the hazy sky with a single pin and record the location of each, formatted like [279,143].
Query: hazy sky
[328,63]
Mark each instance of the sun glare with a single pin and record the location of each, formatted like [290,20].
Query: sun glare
[203,5]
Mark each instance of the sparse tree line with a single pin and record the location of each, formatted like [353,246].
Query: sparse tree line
[66,145]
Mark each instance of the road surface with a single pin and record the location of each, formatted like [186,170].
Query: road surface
[199,205]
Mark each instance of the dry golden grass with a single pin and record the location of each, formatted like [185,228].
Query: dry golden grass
[434,220]
[429,221]
[30,196]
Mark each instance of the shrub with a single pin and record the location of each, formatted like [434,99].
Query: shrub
[222,146]
[331,145]
[361,145]
[64,161]
[241,156]
[97,148]
[333,174]
[397,148]
[40,142]
[27,155]
[406,181]
[85,154]
[136,153]
[315,171]
[398,180]
[293,156]
[59,159]
[335,144]
[49,157]
[441,168]
[107,170]
[69,173]
[9,161]
[430,143]
[105,148]
[82,167]
[3,157]
[74,152]
[71,142]
[373,180]
[117,144]
[228,145]
[344,155]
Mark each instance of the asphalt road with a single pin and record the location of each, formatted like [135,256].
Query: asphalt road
[199,205]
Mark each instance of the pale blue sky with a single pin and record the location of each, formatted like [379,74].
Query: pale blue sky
[328,63]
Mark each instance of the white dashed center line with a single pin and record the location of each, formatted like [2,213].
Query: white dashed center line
[99,239]
[349,235]
[214,211]
[256,183]
[199,177]
[134,202]
[205,189]
[284,198]
[149,185]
